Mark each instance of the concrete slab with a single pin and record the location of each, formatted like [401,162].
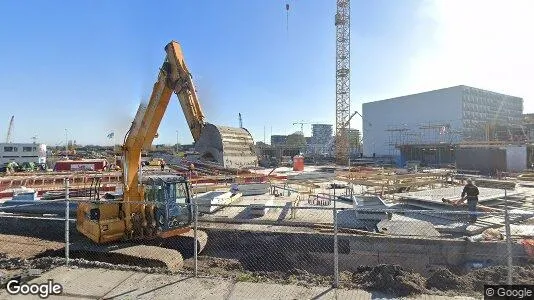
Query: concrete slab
[304,212]
[92,283]
[435,195]
[347,219]
[113,284]
[521,230]
[261,209]
[311,175]
[210,202]
[128,286]
[403,226]
[184,288]
[253,189]
[248,290]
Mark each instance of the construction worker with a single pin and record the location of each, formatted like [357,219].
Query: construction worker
[470,193]
[234,188]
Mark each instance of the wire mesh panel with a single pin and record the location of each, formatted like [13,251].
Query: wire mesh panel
[313,240]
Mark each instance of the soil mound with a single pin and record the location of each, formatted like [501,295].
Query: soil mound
[389,279]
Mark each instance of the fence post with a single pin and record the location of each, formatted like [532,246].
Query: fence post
[336,257]
[195,246]
[508,238]
[67,212]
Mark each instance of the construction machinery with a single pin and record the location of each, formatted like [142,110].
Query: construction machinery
[229,147]
[156,206]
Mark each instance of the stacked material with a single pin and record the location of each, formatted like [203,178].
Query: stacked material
[368,208]
[261,209]
[38,207]
[213,201]
[496,184]
[253,189]
[312,175]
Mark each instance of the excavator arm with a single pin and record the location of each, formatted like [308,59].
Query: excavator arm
[180,80]
[104,222]
[173,77]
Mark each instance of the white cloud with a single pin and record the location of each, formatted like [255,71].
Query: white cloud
[487,44]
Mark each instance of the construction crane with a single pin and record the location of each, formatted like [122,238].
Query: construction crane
[10,129]
[352,116]
[301,126]
[342,23]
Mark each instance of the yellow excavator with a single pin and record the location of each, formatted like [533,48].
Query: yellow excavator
[156,206]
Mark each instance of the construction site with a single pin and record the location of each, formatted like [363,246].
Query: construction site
[382,211]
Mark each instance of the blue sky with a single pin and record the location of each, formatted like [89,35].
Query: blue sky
[86,65]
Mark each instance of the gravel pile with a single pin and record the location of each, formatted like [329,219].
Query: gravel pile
[444,280]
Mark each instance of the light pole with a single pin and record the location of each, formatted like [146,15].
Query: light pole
[66,143]
[177,141]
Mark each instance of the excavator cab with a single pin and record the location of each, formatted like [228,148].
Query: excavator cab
[170,195]
[165,212]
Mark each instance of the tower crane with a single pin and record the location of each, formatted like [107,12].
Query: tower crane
[301,126]
[342,23]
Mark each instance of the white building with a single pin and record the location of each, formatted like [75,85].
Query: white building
[447,115]
[321,136]
[22,152]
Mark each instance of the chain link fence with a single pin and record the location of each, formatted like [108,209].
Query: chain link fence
[293,237]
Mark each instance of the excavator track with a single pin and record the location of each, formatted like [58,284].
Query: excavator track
[202,239]
[185,243]
[131,255]
[159,253]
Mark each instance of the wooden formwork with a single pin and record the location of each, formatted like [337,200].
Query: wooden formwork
[50,182]
[387,182]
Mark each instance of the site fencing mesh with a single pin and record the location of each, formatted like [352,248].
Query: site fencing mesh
[295,238]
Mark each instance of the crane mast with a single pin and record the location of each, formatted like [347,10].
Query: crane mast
[342,22]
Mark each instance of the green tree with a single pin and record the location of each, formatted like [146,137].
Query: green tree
[296,140]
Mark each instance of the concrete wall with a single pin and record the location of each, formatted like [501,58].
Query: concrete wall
[487,160]
[413,111]
[269,251]
[516,158]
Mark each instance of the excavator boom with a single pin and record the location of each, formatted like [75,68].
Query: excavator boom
[156,205]
[180,80]
[229,147]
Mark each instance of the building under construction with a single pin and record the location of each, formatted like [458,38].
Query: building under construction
[428,127]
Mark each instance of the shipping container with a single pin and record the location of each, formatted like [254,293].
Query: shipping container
[81,165]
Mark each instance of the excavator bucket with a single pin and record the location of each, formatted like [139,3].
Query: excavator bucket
[230,147]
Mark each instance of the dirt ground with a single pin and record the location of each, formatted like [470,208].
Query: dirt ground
[25,247]
[387,279]
[15,250]
[19,254]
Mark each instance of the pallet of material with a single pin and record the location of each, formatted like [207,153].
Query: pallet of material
[261,209]
[213,201]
